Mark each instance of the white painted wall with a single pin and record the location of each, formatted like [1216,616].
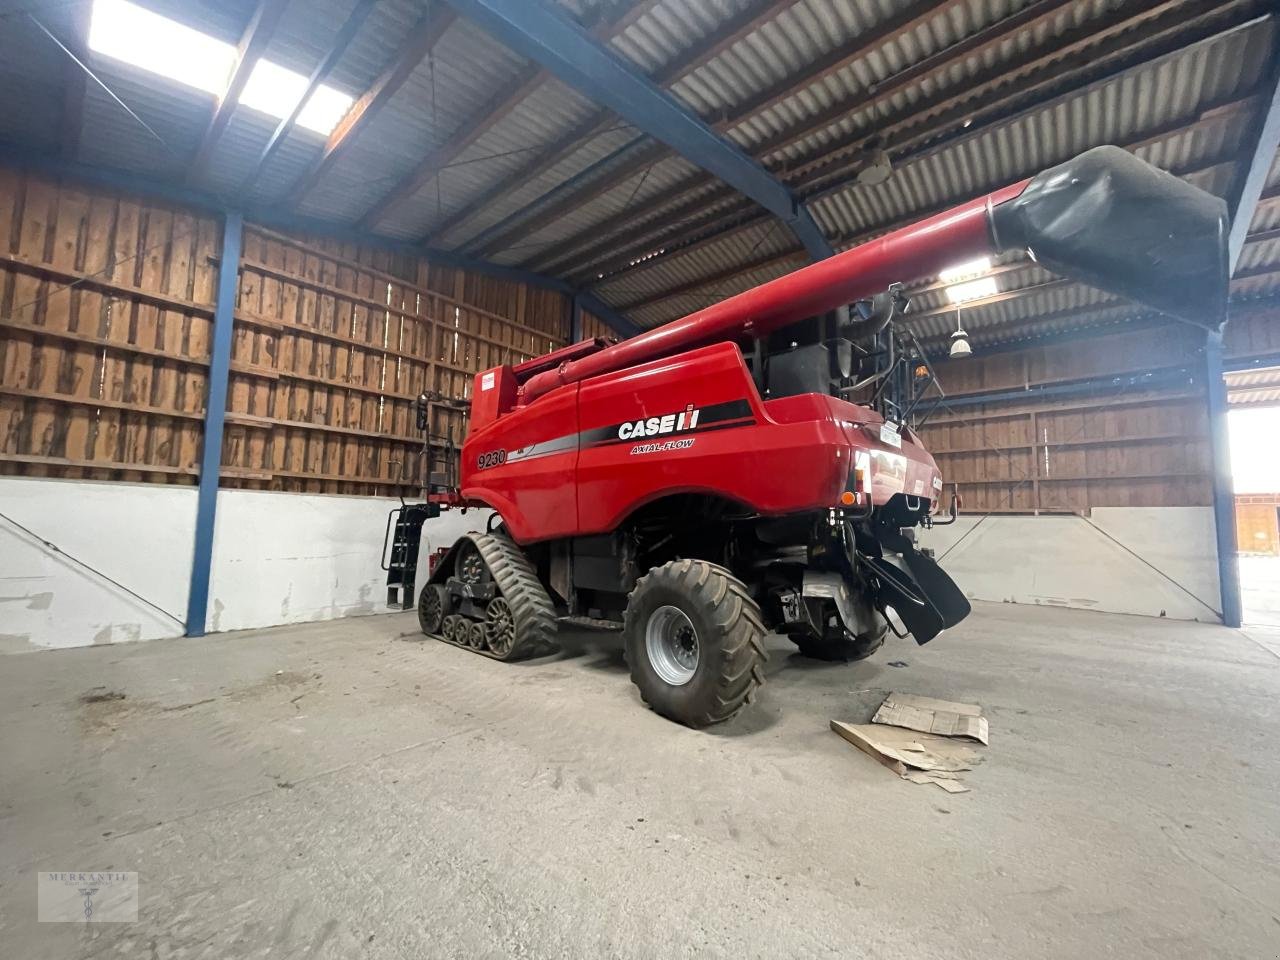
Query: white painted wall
[293,558]
[1151,561]
[278,558]
[140,535]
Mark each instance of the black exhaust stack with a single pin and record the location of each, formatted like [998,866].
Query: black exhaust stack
[1119,224]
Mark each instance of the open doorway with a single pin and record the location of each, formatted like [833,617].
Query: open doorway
[1255,468]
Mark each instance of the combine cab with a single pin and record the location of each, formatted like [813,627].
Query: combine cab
[755,467]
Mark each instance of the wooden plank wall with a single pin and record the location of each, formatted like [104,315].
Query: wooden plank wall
[593,326]
[333,344]
[1118,447]
[106,306]
[1258,523]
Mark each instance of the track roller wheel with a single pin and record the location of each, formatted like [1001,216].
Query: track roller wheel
[500,627]
[475,635]
[470,565]
[434,605]
[453,626]
[695,642]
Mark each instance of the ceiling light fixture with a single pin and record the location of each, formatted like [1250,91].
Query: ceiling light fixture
[960,341]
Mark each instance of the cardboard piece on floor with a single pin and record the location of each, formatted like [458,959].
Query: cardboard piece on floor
[900,749]
[945,718]
[947,781]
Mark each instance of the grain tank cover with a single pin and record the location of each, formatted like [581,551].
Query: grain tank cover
[1112,221]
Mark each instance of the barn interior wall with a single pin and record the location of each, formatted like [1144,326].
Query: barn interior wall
[106,312]
[1098,499]
[84,562]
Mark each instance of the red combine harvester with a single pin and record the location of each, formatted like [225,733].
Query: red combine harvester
[754,467]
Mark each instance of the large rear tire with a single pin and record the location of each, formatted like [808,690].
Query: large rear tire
[694,642]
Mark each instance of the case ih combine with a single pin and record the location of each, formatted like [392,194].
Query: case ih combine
[753,467]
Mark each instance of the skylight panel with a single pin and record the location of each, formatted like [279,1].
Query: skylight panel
[275,90]
[136,35]
[147,40]
[973,290]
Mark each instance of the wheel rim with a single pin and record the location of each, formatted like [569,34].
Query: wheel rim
[451,626]
[475,635]
[672,645]
[500,630]
[470,565]
[431,609]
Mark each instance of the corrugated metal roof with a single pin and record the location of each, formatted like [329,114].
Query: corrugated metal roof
[448,91]
[550,112]
[1254,387]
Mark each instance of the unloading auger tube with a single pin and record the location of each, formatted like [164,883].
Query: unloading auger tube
[1105,218]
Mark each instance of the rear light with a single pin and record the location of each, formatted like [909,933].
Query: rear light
[861,472]
[859,482]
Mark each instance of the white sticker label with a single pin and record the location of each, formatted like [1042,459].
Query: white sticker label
[937,483]
[486,381]
[889,434]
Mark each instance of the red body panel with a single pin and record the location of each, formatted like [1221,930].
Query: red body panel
[592,434]
[570,464]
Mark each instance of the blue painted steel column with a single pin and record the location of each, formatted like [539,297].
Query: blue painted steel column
[575,319]
[214,418]
[616,321]
[1224,498]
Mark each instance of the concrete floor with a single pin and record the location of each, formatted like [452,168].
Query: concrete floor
[342,790]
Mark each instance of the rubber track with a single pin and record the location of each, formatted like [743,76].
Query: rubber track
[518,584]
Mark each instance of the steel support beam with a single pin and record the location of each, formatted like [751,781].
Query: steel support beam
[730,32]
[1248,194]
[942,129]
[417,45]
[618,323]
[1224,498]
[341,41]
[253,43]
[575,319]
[214,418]
[550,38]
[1254,181]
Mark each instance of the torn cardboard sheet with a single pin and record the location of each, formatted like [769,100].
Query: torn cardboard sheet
[942,717]
[914,737]
[947,781]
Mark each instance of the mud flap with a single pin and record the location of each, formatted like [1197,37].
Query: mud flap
[924,597]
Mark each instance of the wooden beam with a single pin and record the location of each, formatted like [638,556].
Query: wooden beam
[746,22]
[499,106]
[341,41]
[416,46]
[253,43]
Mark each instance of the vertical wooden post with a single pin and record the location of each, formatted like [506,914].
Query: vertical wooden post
[214,420]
